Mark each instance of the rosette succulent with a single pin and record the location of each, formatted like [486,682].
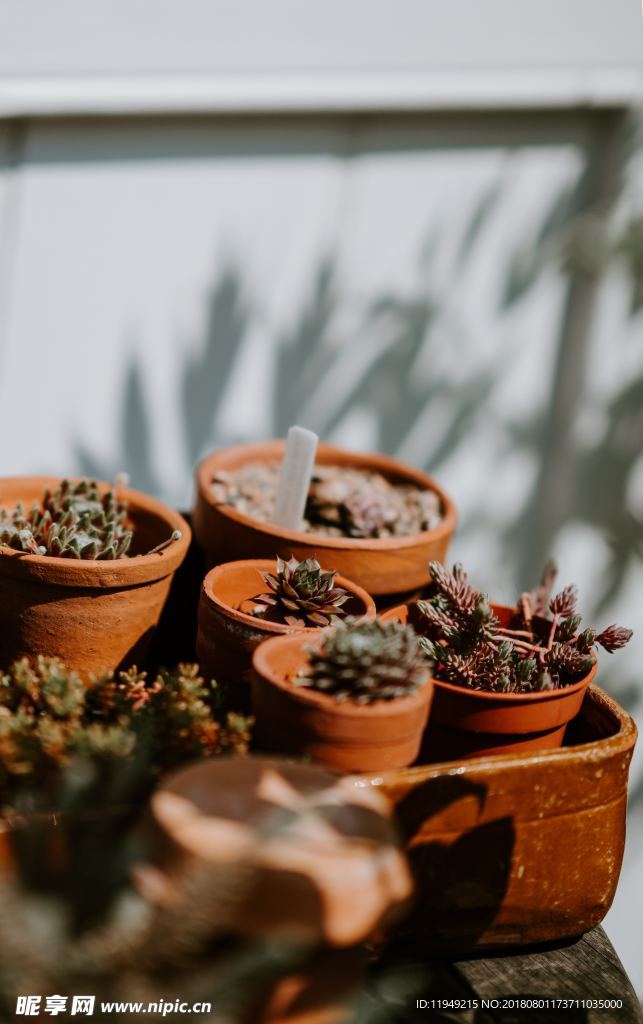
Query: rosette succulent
[77,520]
[301,594]
[541,648]
[366,660]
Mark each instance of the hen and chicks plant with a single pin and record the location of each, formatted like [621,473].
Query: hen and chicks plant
[541,648]
[301,594]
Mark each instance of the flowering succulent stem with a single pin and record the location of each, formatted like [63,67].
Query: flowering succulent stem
[160,548]
[552,631]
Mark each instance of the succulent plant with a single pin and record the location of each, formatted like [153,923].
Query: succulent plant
[366,660]
[542,648]
[77,765]
[49,718]
[342,501]
[362,503]
[156,938]
[301,594]
[74,521]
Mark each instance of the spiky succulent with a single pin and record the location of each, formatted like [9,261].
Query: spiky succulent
[74,521]
[541,648]
[301,594]
[366,660]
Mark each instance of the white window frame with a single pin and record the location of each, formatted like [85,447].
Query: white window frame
[155,57]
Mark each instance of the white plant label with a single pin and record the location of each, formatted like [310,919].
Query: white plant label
[294,478]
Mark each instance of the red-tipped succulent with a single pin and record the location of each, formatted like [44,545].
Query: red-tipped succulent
[301,594]
[541,648]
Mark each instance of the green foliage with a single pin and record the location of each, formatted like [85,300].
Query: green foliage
[540,649]
[301,594]
[366,660]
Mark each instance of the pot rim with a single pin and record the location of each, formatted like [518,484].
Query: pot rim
[506,698]
[305,695]
[385,464]
[91,572]
[276,628]
[601,749]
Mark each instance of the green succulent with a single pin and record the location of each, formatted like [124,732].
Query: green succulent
[366,660]
[77,520]
[74,521]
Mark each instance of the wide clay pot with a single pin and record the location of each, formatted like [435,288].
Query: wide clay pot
[394,565]
[228,634]
[95,615]
[520,848]
[471,723]
[343,735]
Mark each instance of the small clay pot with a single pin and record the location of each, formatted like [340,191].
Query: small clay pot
[95,615]
[472,723]
[393,565]
[227,632]
[343,735]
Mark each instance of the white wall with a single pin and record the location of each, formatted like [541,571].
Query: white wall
[414,247]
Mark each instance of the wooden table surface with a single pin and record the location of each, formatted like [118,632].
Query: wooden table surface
[586,969]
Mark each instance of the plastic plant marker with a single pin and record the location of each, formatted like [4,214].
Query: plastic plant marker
[294,478]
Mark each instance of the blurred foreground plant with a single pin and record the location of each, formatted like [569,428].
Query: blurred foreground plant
[78,762]
[50,719]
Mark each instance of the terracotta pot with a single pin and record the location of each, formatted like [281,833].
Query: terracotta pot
[227,632]
[471,723]
[95,615]
[263,848]
[343,735]
[390,566]
[521,848]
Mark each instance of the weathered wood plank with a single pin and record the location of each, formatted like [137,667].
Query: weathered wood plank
[484,990]
[587,969]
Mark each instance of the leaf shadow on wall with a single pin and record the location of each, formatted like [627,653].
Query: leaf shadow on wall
[203,382]
[393,363]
